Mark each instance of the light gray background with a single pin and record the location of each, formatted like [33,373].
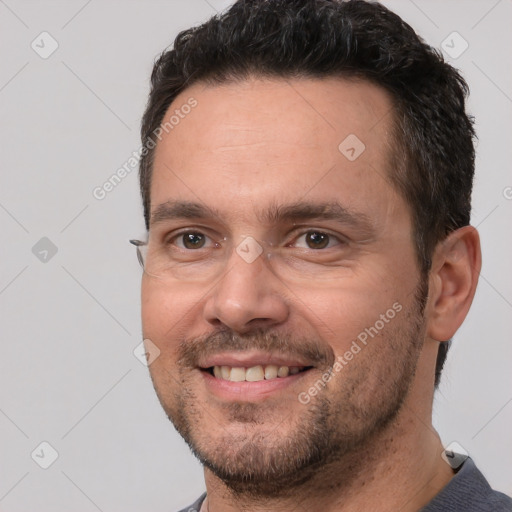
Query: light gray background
[70,324]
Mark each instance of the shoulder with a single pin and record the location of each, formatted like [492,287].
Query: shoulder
[469,491]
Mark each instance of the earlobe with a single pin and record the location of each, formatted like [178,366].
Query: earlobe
[453,279]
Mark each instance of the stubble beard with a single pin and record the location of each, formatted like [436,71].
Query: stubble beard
[333,430]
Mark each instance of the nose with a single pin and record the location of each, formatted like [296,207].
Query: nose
[248,296]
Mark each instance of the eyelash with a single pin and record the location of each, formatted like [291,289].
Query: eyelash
[177,236]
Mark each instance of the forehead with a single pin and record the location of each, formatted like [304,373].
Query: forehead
[256,142]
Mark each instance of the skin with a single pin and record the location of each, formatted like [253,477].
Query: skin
[246,147]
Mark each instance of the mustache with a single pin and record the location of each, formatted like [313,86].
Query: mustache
[314,351]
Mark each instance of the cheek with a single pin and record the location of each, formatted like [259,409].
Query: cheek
[152,309]
[165,313]
[352,308]
[341,317]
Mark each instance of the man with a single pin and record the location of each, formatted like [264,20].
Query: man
[306,180]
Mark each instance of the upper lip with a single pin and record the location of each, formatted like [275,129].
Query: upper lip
[251,358]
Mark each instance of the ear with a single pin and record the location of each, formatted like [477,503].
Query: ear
[453,278]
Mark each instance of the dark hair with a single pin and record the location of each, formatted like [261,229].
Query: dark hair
[433,158]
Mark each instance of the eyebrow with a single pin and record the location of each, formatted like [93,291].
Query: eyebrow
[274,214]
[171,210]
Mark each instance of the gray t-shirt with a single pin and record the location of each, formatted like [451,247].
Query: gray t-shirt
[467,491]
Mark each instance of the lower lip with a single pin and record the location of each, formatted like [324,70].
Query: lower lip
[249,391]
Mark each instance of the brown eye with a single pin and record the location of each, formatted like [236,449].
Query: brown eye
[317,240]
[193,240]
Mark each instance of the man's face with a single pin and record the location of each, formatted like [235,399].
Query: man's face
[302,257]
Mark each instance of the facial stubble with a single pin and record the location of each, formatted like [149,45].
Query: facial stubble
[276,449]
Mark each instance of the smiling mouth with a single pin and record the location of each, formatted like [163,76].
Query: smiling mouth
[254,373]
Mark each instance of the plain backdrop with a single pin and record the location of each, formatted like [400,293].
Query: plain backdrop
[69,280]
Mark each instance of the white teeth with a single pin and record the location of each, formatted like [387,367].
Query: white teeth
[283,371]
[270,371]
[254,373]
[237,374]
[225,372]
